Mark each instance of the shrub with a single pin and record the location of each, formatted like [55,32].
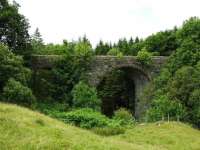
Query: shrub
[124,116]
[83,48]
[163,107]
[15,92]
[114,123]
[114,52]
[144,57]
[194,103]
[70,70]
[85,96]
[52,108]
[11,66]
[184,81]
[120,55]
[184,86]
[85,118]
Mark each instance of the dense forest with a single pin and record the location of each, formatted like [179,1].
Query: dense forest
[63,91]
[162,43]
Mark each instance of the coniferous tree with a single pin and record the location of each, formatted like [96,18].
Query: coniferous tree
[102,48]
[37,41]
[137,40]
[131,42]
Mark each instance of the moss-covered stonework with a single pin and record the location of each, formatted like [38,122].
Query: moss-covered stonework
[103,65]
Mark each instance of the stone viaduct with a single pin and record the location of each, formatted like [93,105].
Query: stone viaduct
[103,65]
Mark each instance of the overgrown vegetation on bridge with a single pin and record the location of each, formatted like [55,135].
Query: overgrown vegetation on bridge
[64,93]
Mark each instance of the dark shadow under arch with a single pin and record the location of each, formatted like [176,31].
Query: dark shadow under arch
[124,92]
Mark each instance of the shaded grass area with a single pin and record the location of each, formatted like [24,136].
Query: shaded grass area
[22,129]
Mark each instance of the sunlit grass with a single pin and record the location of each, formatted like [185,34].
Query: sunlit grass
[23,129]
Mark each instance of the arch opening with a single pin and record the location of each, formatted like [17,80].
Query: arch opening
[121,88]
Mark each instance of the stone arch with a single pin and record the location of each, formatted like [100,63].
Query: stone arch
[102,65]
[137,78]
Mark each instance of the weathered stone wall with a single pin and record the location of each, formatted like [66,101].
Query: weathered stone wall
[103,65]
[44,61]
[139,74]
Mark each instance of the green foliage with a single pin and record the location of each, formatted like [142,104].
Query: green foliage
[188,54]
[183,86]
[102,48]
[162,79]
[124,116]
[136,47]
[144,57]
[70,70]
[115,91]
[15,92]
[123,46]
[184,81]
[51,108]
[83,49]
[114,52]
[14,28]
[14,79]
[162,107]
[129,47]
[190,30]
[23,129]
[85,96]
[90,119]
[109,131]
[163,43]
[179,80]
[194,102]
[120,55]
[54,49]
[85,118]
[11,66]
[37,42]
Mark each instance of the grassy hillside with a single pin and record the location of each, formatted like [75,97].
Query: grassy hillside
[23,129]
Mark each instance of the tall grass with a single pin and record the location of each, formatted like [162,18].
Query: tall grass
[22,129]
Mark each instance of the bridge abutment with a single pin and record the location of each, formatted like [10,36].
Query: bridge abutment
[103,65]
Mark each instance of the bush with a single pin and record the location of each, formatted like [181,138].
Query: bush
[85,96]
[184,81]
[115,52]
[120,55]
[52,108]
[85,118]
[124,116]
[11,66]
[194,103]
[83,48]
[15,92]
[162,107]
[144,57]
[70,70]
